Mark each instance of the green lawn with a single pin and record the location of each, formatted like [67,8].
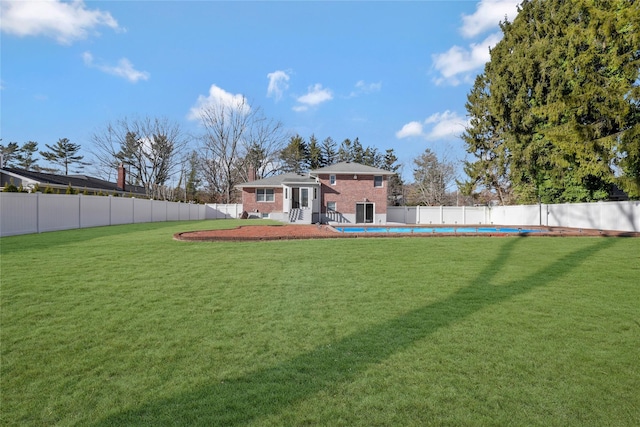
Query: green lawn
[125,326]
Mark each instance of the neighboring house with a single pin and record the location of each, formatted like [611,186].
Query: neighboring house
[29,180]
[344,192]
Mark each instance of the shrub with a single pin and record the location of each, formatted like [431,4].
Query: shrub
[10,188]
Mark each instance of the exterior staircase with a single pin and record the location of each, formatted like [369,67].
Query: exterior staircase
[300,216]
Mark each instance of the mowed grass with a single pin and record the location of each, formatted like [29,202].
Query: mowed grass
[125,326]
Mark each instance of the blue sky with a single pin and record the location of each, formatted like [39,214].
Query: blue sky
[394,74]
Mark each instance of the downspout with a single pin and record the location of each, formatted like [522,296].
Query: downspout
[319,201]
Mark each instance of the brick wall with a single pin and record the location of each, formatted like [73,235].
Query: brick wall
[250,204]
[347,191]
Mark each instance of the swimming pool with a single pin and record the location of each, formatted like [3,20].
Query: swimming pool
[422,230]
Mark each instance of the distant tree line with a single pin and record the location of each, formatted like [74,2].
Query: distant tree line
[300,156]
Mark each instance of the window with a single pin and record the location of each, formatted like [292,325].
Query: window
[332,179]
[264,195]
[377,181]
[331,206]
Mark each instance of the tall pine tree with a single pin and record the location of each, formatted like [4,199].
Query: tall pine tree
[25,157]
[65,154]
[295,155]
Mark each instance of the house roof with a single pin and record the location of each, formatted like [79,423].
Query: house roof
[279,180]
[351,168]
[309,179]
[76,181]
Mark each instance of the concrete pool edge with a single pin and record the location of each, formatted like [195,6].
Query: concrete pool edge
[316,231]
[487,230]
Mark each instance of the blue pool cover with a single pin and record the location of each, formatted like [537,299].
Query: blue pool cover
[410,230]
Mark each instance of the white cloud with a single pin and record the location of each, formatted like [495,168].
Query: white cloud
[438,126]
[458,63]
[218,98]
[315,95]
[278,84]
[409,130]
[66,22]
[487,16]
[447,125]
[124,68]
[461,64]
[363,88]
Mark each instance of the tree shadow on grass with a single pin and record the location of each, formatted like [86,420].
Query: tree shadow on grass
[265,392]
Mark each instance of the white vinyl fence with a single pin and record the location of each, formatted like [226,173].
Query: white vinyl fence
[621,216]
[223,211]
[22,213]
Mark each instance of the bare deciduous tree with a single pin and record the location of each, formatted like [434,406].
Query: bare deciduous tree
[150,148]
[432,179]
[262,149]
[235,138]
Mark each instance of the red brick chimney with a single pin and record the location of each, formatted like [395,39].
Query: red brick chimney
[121,177]
[251,174]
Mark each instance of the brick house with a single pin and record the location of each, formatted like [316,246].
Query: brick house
[344,192]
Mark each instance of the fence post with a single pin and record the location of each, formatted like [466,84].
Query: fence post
[79,210]
[38,212]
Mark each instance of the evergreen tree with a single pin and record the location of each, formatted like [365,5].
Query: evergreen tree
[9,154]
[372,157]
[395,192]
[561,103]
[357,151]
[329,153]
[65,154]
[295,156]
[315,154]
[25,158]
[255,159]
[344,152]
[490,168]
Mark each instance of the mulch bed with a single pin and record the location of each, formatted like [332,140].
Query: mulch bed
[291,232]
